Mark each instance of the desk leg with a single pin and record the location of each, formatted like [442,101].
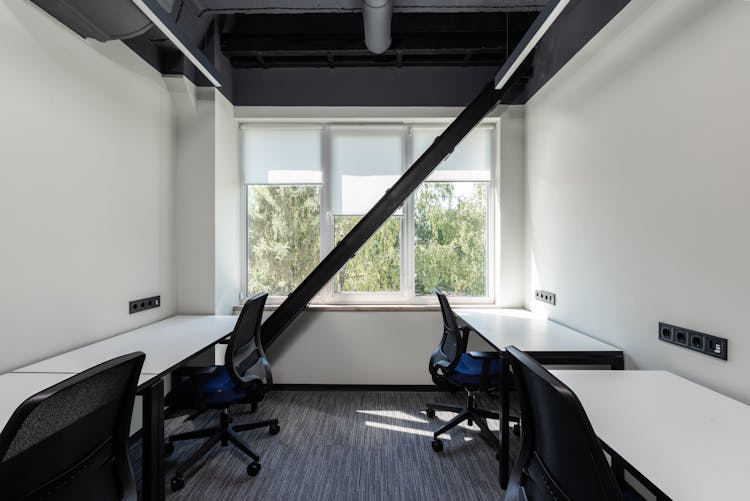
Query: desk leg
[618,468]
[505,426]
[618,363]
[153,442]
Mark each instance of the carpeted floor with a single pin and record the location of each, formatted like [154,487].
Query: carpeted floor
[344,446]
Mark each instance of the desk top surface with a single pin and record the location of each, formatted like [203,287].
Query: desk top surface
[690,441]
[15,388]
[166,344]
[528,332]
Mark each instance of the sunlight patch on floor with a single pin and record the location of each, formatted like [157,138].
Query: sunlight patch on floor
[395,415]
[403,429]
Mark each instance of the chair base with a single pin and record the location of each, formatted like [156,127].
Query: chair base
[469,413]
[224,434]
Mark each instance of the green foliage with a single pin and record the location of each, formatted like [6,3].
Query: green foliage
[451,238]
[376,267]
[283,238]
[450,241]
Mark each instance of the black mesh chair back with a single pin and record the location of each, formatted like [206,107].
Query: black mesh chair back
[561,457]
[69,442]
[452,344]
[245,358]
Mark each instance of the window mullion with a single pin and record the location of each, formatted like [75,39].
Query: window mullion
[243,243]
[326,219]
[407,231]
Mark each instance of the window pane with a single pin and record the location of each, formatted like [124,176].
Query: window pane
[364,164]
[376,267]
[283,237]
[289,155]
[471,160]
[451,238]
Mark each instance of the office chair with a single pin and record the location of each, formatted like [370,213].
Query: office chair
[561,457]
[474,372]
[219,387]
[69,442]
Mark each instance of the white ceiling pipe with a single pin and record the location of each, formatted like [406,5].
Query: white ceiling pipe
[377,16]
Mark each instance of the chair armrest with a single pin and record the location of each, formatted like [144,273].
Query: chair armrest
[485,355]
[223,340]
[443,364]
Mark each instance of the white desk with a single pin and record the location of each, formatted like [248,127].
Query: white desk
[15,388]
[528,332]
[690,442]
[167,344]
[547,341]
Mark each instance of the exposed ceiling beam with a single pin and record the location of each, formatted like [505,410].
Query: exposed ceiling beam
[338,6]
[163,20]
[538,29]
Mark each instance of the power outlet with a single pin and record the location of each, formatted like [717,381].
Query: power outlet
[713,346]
[716,347]
[545,297]
[144,304]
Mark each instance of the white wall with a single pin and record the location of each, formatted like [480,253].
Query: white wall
[195,198]
[512,202]
[227,223]
[359,347]
[208,201]
[639,187]
[86,188]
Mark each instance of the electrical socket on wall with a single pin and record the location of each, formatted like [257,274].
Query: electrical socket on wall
[144,304]
[545,296]
[707,344]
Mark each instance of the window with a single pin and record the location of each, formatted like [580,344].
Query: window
[282,172]
[365,162]
[307,186]
[451,217]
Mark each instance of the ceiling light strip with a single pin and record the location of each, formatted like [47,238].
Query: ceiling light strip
[161,19]
[535,33]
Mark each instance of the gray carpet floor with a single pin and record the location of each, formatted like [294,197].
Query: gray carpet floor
[344,446]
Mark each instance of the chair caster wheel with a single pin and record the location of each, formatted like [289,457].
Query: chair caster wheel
[177,483]
[430,413]
[274,429]
[516,430]
[253,468]
[168,449]
[437,445]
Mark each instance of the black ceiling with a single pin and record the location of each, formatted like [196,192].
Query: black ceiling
[317,57]
[331,40]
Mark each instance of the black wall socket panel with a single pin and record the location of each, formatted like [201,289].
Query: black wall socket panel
[545,296]
[707,344]
[145,304]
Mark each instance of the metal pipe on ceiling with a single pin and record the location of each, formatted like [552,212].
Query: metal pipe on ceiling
[377,18]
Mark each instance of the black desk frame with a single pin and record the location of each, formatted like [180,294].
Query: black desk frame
[152,392]
[614,359]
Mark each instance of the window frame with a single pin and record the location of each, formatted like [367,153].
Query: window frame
[407,294]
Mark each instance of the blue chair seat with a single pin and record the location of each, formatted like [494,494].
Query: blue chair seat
[468,371]
[217,388]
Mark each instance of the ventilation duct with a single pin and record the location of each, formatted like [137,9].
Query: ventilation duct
[101,20]
[377,17]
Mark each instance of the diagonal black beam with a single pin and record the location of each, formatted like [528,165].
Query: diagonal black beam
[296,302]
[487,99]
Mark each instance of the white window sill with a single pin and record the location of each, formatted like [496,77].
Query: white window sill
[375,307]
